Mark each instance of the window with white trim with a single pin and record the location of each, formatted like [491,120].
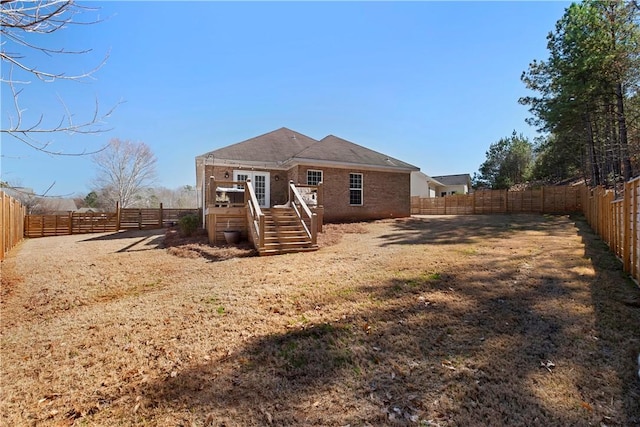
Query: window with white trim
[240,177]
[355,189]
[314,177]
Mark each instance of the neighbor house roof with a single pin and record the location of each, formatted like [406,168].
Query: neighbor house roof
[57,204]
[287,146]
[426,177]
[461,179]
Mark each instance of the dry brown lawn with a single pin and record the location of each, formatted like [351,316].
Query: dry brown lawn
[433,321]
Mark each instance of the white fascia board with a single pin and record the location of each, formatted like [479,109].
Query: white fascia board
[245,164]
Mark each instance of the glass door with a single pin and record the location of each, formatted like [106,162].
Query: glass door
[260,183]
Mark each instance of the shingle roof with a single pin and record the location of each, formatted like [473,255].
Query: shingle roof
[334,149]
[460,179]
[273,147]
[285,145]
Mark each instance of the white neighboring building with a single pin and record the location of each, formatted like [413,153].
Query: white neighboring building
[423,185]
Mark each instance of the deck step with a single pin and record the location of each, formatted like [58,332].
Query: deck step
[284,233]
[281,251]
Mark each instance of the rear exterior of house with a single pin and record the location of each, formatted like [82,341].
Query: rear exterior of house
[357,183]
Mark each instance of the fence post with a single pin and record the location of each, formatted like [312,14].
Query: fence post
[70,222]
[634,228]
[160,219]
[473,203]
[118,213]
[627,227]
[3,224]
[506,201]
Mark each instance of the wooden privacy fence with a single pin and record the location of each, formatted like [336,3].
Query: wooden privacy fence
[560,199]
[72,223]
[12,214]
[100,222]
[133,218]
[616,221]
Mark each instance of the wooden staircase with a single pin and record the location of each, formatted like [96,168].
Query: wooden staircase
[284,233]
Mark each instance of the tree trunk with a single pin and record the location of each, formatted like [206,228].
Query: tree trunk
[622,131]
[595,170]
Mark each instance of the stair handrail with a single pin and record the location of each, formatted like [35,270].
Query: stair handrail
[295,200]
[255,216]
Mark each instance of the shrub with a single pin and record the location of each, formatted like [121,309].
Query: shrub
[188,224]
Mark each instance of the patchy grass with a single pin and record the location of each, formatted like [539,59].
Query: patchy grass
[436,321]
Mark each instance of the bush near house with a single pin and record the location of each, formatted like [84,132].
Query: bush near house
[188,224]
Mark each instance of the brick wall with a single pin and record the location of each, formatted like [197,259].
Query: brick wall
[384,195]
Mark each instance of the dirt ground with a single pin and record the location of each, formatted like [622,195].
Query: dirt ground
[427,321]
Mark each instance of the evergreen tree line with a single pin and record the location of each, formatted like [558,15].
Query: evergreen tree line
[585,103]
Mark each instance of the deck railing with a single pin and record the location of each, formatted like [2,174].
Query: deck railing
[255,216]
[308,219]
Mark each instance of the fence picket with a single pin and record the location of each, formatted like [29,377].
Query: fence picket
[92,222]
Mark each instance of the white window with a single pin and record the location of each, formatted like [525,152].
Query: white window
[355,189]
[242,177]
[314,177]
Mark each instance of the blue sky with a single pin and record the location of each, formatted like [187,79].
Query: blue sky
[430,83]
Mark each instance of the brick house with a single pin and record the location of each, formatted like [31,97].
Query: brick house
[357,183]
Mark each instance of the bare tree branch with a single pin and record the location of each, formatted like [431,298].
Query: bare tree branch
[20,22]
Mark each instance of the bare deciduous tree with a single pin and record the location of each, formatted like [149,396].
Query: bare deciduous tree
[21,25]
[125,168]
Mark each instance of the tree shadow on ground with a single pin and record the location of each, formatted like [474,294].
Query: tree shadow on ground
[430,350]
[126,234]
[616,302]
[456,229]
[146,239]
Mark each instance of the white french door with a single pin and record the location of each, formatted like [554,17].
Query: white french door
[260,183]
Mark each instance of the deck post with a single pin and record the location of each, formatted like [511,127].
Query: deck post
[314,228]
[320,194]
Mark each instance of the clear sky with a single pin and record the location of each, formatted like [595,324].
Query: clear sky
[430,83]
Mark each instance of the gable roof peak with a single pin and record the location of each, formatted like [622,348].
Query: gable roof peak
[272,147]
